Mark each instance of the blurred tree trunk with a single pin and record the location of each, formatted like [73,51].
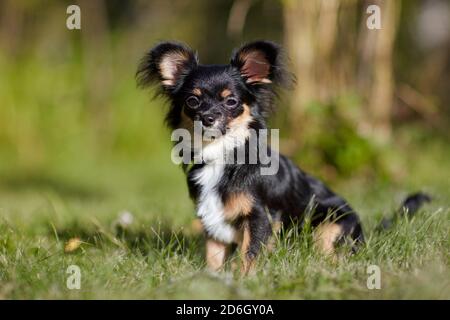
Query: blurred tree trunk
[326,31]
[299,19]
[310,36]
[375,79]
[11,23]
[324,58]
[236,18]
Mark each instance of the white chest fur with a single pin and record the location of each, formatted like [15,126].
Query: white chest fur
[210,207]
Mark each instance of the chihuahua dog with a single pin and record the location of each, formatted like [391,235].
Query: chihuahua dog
[235,202]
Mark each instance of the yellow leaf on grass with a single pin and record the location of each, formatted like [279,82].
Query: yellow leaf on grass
[72,245]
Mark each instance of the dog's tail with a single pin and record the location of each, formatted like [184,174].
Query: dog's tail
[410,205]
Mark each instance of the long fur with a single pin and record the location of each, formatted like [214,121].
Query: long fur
[235,98]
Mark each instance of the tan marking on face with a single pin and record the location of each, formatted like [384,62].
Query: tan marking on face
[225,93]
[170,65]
[242,120]
[247,264]
[216,253]
[326,235]
[238,204]
[197,92]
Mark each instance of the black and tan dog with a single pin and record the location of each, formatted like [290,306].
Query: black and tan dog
[234,201]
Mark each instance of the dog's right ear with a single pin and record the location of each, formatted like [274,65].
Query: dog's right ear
[167,63]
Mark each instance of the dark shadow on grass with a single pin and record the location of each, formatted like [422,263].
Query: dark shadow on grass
[43,182]
[154,237]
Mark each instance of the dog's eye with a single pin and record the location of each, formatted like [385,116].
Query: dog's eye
[192,102]
[231,102]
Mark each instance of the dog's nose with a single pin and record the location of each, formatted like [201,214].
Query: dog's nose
[209,118]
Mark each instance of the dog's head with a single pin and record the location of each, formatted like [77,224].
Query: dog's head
[222,97]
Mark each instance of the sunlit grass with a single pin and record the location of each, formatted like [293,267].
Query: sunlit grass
[158,255]
[61,178]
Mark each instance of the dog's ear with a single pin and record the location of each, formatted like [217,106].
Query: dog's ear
[167,63]
[261,62]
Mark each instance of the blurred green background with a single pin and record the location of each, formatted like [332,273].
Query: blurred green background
[68,97]
[80,144]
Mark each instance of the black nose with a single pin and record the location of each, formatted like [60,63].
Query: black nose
[209,118]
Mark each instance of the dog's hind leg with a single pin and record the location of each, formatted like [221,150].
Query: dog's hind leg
[335,220]
[341,224]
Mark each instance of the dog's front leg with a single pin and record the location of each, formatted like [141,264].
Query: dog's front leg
[256,230]
[216,253]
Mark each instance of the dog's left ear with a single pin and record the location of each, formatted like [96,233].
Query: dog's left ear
[260,62]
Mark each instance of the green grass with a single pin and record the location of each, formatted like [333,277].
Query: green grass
[159,256]
[63,176]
